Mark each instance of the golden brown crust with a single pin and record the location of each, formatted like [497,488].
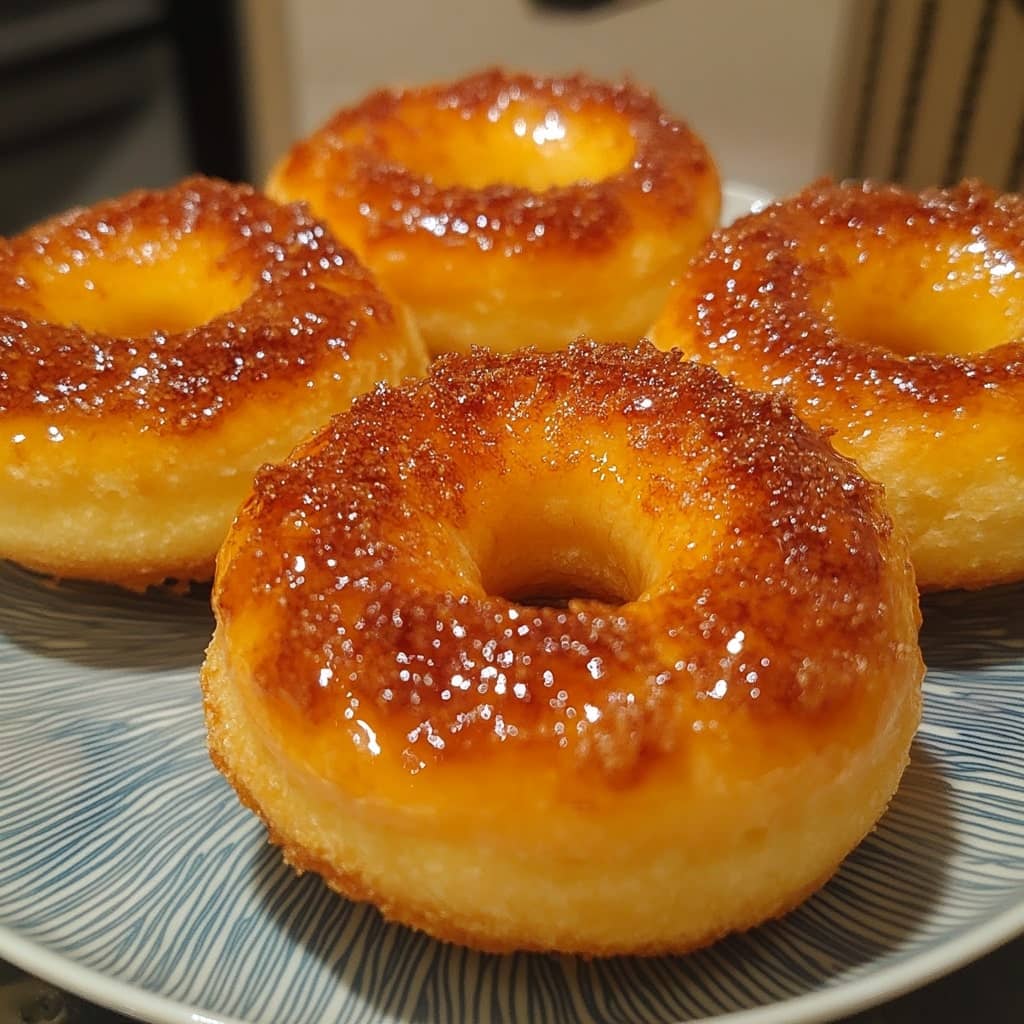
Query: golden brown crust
[310,304]
[669,166]
[356,550]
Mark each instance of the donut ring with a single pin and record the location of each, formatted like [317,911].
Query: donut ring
[895,320]
[506,209]
[155,350]
[690,749]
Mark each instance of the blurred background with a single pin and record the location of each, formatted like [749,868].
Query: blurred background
[100,96]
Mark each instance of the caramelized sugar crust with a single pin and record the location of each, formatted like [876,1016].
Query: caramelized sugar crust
[306,306]
[766,597]
[764,289]
[352,158]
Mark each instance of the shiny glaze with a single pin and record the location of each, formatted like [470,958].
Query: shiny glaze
[310,305]
[766,603]
[348,171]
[756,301]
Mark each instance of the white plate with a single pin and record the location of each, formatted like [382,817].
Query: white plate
[130,875]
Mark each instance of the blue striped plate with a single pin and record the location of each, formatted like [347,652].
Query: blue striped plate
[130,875]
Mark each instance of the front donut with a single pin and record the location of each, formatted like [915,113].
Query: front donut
[591,652]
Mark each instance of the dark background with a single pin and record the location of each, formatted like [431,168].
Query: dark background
[101,96]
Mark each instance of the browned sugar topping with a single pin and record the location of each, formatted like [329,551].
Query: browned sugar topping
[356,547]
[310,302]
[753,297]
[351,152]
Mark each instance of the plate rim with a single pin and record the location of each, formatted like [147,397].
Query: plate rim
[844,998]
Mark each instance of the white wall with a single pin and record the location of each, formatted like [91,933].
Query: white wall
[761,80]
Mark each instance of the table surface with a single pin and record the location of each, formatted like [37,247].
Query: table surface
[990,990]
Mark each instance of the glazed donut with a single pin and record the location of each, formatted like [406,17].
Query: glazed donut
[155,350]
[895,320]
[604,655]
[507,209]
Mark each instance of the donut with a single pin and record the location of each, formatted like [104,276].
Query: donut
[895,320]
[507,209]
[155,350]
[587,651]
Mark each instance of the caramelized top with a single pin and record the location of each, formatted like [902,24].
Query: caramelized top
[169,306]
[762,565]
[503,162]
[863,294]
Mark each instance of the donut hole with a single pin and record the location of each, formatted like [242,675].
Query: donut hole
[555,585]
[163,285]
[554,561]
[522,143]
[966,303]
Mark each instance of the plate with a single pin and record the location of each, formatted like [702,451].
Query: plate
[130,875]
[738,199]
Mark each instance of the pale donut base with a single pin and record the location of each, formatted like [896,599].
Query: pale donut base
[652,877]
[546,307]
[117,537]
[113,504]
[959,499]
